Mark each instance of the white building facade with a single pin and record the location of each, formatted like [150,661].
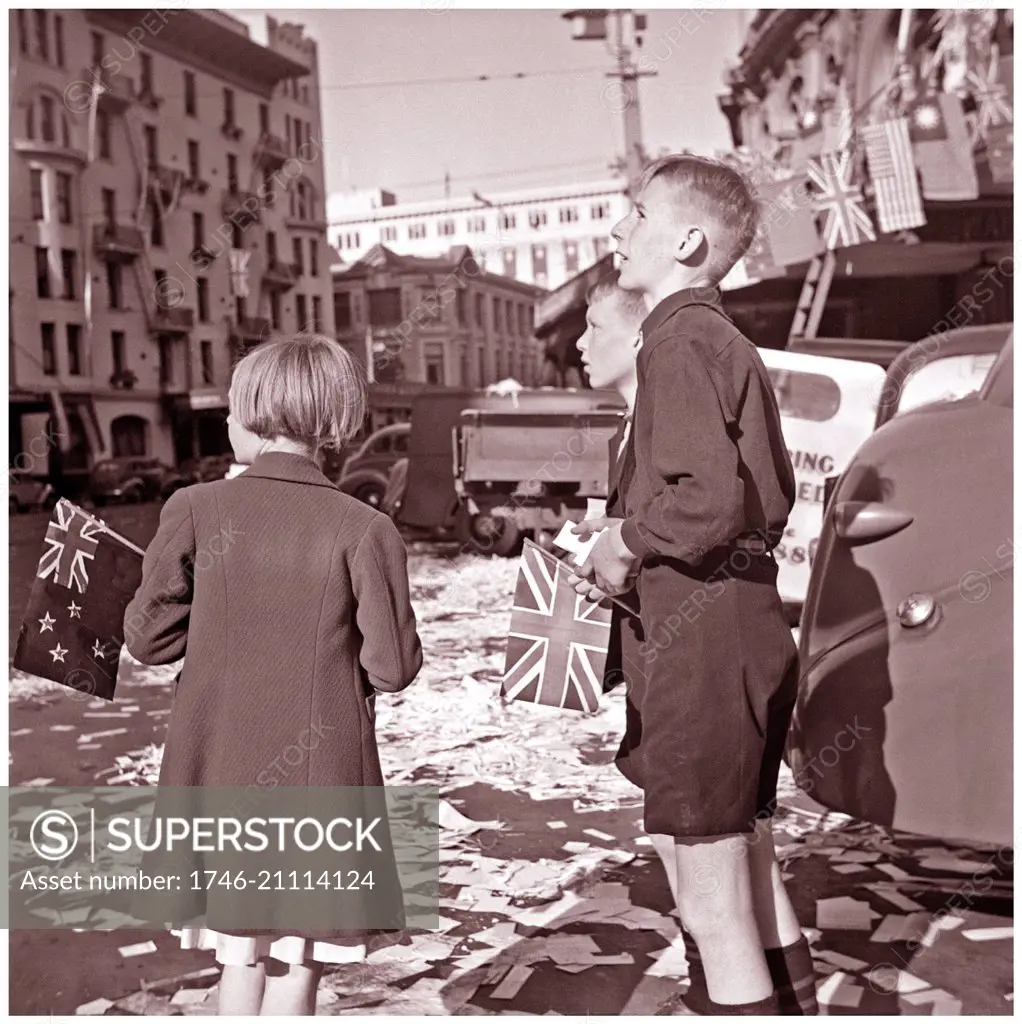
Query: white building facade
[541,236]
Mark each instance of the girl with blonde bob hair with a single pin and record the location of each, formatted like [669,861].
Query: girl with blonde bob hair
[289,602]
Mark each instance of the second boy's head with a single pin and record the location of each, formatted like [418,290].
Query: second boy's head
[613,320]
[692,220]
[306,392]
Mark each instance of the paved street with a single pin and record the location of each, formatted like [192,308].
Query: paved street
[552,901]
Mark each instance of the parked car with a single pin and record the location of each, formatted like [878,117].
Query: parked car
[133,479]
[364,475]
[27,492]
[904,714]
[206,468]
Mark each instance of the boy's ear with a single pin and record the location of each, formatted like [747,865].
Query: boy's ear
[693,246]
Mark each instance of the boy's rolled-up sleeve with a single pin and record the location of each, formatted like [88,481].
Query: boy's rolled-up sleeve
[391,651]
[701,502]
[156,620]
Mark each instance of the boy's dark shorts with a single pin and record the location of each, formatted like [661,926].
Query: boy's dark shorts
[712,673]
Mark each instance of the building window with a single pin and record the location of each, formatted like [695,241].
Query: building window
[537,219]
[22,32]
[500,365]
[47,113]
[498,324]
[155,224]
[117,350]
[275,310]
[166,363]
[49,336]
[152,153]
[64,211]
[434,352]
[477,225]
[388,233]
[114,289]
[264,119]
[539,271]
[314,257]
[298,254]
[480,311]
[509,316]
[110,208]
[207,362]
[302,312]
[36,184]
[162,295]
[42,41]
[98,49]
[568,214]
[429,306]
[237,236]
[193,160]
[74,350]
[510,258]
[103,134]
[384,307]
[202,294]
[232,172]
[601,246]
[198,230]
[342,311]
[482,366]
[507,221]
[445,227]
[271,247]
[416,231]
[228,106]
[317,314]
[600,211]
[239,308]
[58,39]
[523,328]
[147,74]
[571,258]
[69,272]
[42,272]
[191,107]
[461,309]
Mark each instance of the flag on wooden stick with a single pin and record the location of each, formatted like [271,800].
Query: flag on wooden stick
[557,642]
[73,629]
[889,157]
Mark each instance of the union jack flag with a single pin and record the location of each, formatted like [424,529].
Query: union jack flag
[557,643]
[841,200]
[70,540]
[990,91]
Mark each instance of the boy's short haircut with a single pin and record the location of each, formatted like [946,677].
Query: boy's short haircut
[307,388]
[718,192]
[631,303]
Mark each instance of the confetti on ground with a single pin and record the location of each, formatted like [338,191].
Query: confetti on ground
[189,996]
[944,862]
[843,912]
[22,732]
[988,934]
[889,980]
[38,782]
[511,985]
[597,834]
[96,1008]
[137,949]
[57,728]
[902,928]
[845,963]
[556,824]
[839,989]
[944,1004]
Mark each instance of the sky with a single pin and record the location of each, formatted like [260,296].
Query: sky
[500,135]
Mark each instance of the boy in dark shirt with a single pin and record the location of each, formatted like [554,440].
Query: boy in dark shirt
[705,487]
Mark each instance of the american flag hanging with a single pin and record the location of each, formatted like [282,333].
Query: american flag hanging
[557,642]
[893,170]
[847,222]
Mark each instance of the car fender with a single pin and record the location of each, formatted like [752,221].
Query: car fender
[350,483]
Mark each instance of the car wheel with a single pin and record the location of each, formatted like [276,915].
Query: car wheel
[492,535]
[135,494]
[98,500]
[371,494]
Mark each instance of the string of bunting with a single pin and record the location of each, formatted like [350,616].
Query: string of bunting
[920,142]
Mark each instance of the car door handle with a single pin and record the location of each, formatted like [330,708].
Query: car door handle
[868,520]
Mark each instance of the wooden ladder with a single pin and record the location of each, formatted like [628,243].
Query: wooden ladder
[813,299]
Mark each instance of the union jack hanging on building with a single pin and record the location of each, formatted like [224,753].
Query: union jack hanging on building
[847,223]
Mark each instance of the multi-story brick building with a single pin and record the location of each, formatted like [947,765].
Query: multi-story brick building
[543,236]
[442,321]
[167,200]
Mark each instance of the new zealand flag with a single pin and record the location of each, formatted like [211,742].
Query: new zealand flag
[73,629]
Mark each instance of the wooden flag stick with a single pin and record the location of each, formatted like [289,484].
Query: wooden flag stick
[106,529]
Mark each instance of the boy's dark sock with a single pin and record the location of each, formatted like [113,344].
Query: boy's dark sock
[791,970]
[769,1007]
[794,977]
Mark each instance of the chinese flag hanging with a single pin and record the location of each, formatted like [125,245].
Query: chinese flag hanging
[73,629]
[789,222]
[942,148]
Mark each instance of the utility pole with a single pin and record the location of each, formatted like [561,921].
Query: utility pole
[621,39]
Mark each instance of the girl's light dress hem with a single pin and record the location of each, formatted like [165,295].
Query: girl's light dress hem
[238,950]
